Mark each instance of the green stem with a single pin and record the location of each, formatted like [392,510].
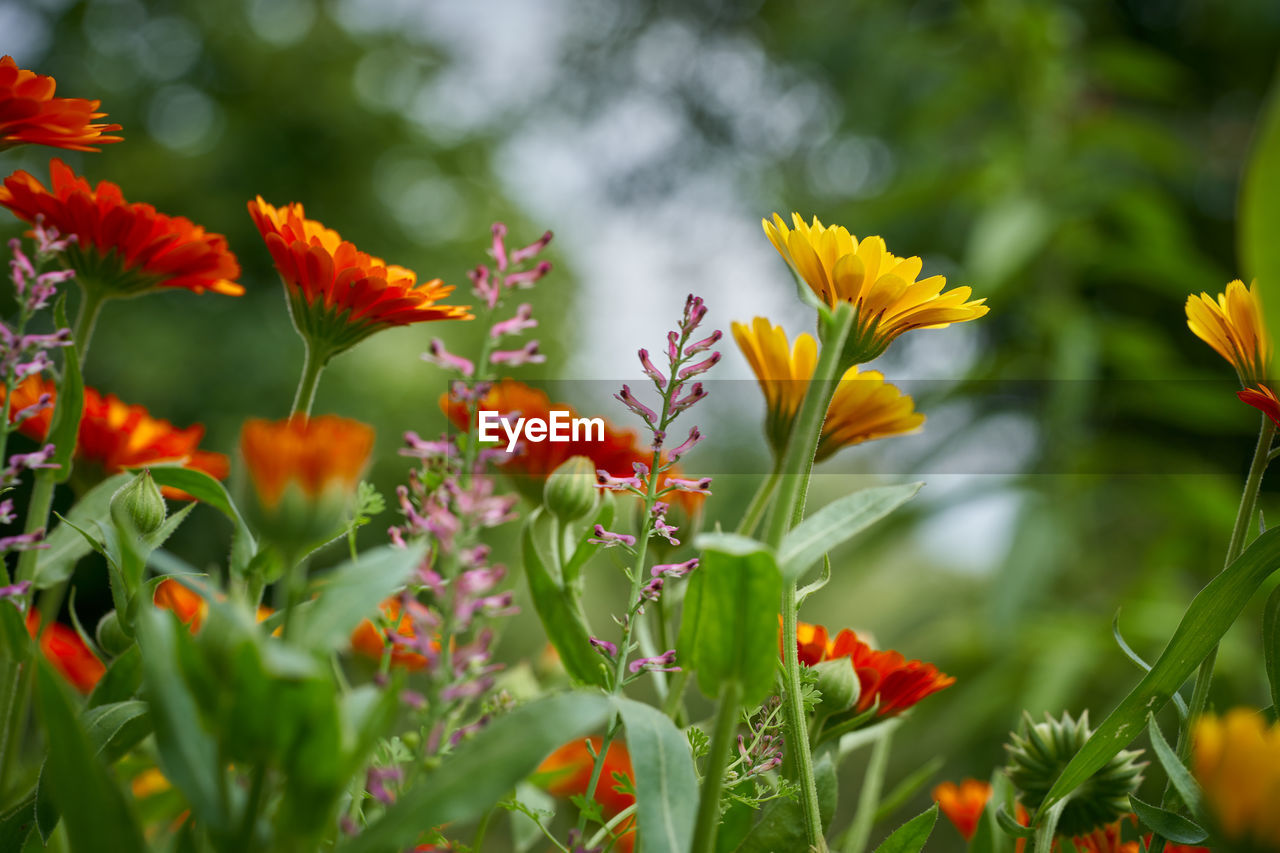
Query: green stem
[295,582]
[253,806]
[726,725]
[797,462]
[759,502]
[313,363]
[608,828]
[869,796]
[87,319]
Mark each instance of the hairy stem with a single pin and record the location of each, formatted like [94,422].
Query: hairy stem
[312,365]
[759,503]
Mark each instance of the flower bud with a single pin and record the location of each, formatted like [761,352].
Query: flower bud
[838,684]
[139,504]
[570,492]
[111,636]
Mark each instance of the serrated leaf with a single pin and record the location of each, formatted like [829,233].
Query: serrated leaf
[208,490]
[836,523]
[912,835]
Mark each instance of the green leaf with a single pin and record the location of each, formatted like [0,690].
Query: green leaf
[1259,213]
[571,571]
[912,835]
[1208,617]
[64,426]
[121,680]
[665,779]
[1010,826]
[1271,644]
[352,592]
[1172,826]
[97,814]
[16,824]
[730,624]
[1186,786]
[837,522]
[561,613]
[67,545]
[208,490]
[484,769]
[188,754]
[1128,651]
[15,642]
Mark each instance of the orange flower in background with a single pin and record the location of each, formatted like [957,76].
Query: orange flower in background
[317,455]
[122,249]
[31,115]
[885,677]
[63,648]
[115,436]
[567,772]
[963,804]
[1232,323]
[881,286]
[339,295]
[369,641]
[189,606]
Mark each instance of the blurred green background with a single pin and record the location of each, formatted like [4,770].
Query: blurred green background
[1075,162]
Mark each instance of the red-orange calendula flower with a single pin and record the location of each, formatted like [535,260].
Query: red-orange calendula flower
[369,641]
[31,115]
[115,436]
[567,773]
[316,455]
[122,248]
[884,677]
[188,605]
[339,295]
[63,648]
[965,803]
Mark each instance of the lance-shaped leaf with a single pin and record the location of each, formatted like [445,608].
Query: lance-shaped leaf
[836,523]
[665,780]
[1213,611]
[208,490]
[730,623]
[911,836]
[351,593]
[67,545]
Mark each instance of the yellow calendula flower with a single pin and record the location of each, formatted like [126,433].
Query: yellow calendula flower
[1237,762]
[886,290]
[864,406]
[1232,324]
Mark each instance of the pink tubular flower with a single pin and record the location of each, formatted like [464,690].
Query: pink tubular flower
[608,538]
[664,662]
[674,570]
[438,355]
[517,324]
[528,354]
[702,486]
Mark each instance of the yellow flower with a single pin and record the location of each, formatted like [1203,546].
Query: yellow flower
[1232,324]
[1237,762]
[886,290]
[864,406]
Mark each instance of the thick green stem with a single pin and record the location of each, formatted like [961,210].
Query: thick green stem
[313,363]
[87,320]
[759,503]
[797,462]
[726,725]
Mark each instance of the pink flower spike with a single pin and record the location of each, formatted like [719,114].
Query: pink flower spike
[702,486]
[441,357]
[651,370]
[701,367]
[528,277]
[628,399]
[499,247]
[695,436]
[694,311]
[517,324]
[528,354]
[704,344]
[608,539]
[521,255]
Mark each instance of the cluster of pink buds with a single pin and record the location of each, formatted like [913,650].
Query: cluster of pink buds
[448,508]
[760,750]
[22,354]
[511,270]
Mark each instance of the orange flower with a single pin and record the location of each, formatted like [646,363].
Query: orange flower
[63,648]
[339,295]
[30,114]
[885,677]
[318,455]
[122,249]
[567,773]
[188,605]
[963,804]
[115,436]
[369,641]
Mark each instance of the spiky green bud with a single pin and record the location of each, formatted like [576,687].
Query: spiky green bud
[1037,756]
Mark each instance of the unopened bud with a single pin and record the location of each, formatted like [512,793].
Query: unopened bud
[111,636]
[570,492]
[838,684]
[140,503]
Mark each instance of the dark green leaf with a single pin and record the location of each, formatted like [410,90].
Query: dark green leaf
[16,824]
[665,779]
[1187,787]
[1011,826]
[484,769]
[97,814]
[730,623]
[561,613]
[912,835]
[67,545]
[838,522]
[1128,651]
[351,593]
[1172,826]
[1208,617]
[208,490]
[121,680]
[1271,644]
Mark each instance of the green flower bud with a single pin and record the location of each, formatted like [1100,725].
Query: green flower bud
[838,684]
[570,492]
[111,636]
[139,504]
[1037,756]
